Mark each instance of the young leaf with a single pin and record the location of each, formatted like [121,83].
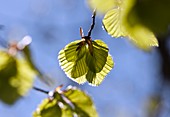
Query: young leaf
[142,37]
[78,59]
[67,111]
[154,14]
[99,64]
[82,103]
[95,79]
[83,59]
[116,23]
[112,22]
[48,108]
[102,5]
[69,103]
[72,61]
[16,78]
[138,33]
[97,60]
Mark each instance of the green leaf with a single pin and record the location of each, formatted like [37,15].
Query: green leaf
[69,103]
[116,23]
[72,61]
[28,57]
[153,14]
[138,33]
[8,69]
[97,61]
[48,108]
[95,79]
[82,103]
[70,51]
[103,5]
[79,60]
[142,37]
[112,22]
[16,78]
[80,67]
[67,111]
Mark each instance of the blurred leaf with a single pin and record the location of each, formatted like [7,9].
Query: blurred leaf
[78,59]
[27,54]
[48,108]
[138,33]
[16,78]
[103,5]
[142,37]
[8,69]
[116,23]
[28,57]
[82,103]
[67,111]
[154,14]
[153,106]
[112,23]
[69,103]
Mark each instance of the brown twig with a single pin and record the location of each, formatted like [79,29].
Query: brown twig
[41,90]
[93,23]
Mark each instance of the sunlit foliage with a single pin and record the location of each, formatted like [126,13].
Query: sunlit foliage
[123,21]
[69,103]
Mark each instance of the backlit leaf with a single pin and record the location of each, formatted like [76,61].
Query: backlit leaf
[72,61]
[97,61]
[67,104]
[79,60]
[116,23]
[112,22]
[138,33]
[70,51]
[82,103]
[67,111]
[95,79]
[102,5]
[142,37]
[16,78]
[48,108]
[153,14]
[8,69]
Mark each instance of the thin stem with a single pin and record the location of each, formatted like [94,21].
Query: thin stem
[81,32]
[41,90]
[93,23]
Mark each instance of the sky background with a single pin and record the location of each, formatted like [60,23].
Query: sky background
[52,24]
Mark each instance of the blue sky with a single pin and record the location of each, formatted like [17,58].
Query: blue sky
[52,24]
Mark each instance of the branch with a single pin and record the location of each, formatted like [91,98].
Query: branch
[41,90]
[93,23]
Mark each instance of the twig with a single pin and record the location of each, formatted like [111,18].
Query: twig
[93,23]
[81,32]
[41,90]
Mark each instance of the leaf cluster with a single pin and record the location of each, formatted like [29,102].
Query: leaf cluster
[69,103]
[16,77]
[134,19]
[86,61]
